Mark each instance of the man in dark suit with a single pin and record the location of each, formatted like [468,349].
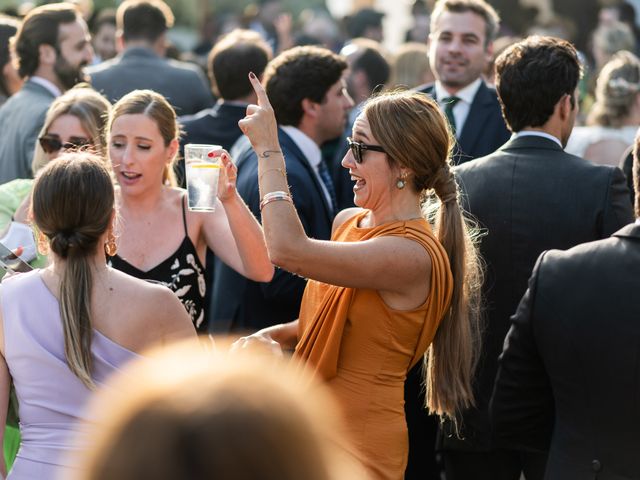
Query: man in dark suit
[141,38]
[230,61]
[308,94]
[52,47]
[368,72]
[460,45]
[530,196]
[568,379]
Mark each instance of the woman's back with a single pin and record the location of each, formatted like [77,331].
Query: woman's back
[51,398]
[67,327]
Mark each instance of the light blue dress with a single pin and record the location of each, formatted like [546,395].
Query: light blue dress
[51,398]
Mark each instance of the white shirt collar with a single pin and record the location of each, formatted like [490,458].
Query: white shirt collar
[52,87]
[308,147]
[536,133]
[233,103]
[466,94]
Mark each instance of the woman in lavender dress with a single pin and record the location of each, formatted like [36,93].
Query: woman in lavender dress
[66,328]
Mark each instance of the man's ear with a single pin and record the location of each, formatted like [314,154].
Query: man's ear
[160,45]
[488,52]
[565,106]
[119,41]
[310,108]
[47,54]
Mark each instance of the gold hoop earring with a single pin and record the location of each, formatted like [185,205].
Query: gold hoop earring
[42,243]
[111,248]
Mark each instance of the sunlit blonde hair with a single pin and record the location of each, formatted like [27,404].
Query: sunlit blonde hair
[156,107]
[414,133]
[410,65]
[617,88]
[188,413]
[89,107]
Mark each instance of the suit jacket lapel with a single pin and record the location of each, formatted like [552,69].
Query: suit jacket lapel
[481,108]
[287,143]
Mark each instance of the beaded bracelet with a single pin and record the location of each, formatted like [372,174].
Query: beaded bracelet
[275,197]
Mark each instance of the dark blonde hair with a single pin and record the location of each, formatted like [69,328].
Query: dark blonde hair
[156,107]
[616,90]
[89,107]
[73,202]
[414,133]
[409,66]
[191,414]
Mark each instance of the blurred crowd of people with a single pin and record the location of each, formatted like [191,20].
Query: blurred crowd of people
[420,256]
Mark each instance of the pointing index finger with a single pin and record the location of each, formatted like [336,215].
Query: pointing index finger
[263,100]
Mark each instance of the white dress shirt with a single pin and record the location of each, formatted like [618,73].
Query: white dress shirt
[460,109]
[536,133]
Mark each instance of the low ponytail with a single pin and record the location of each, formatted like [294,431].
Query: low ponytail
[452,356]
[75,299]
[72,205]
[415,135]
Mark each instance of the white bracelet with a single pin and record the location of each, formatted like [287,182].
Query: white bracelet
[275,197]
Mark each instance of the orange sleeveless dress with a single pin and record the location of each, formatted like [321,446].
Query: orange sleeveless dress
[363,349]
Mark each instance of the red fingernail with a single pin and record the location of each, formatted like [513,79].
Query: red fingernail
[252,75]
[211,154]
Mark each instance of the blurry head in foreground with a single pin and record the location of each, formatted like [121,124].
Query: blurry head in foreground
[191,414]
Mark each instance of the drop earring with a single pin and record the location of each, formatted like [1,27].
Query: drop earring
[111,248]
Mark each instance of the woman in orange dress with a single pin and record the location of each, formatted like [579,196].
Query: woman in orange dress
[386,291]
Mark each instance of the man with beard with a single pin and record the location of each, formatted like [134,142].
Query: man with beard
[310,100]
[52,46]
[460,45]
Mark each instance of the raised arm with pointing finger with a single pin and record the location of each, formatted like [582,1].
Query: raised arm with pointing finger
[382,293]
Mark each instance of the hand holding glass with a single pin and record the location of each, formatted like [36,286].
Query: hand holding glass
[202,176]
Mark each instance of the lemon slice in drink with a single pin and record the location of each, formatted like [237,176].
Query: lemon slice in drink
[204,165]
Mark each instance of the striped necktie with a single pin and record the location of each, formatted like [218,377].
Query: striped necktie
[449,103]
[325,176]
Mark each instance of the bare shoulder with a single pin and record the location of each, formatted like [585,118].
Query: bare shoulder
[148,296]
[153,312]
[343,216]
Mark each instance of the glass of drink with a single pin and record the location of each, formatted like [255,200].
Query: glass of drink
[202,176]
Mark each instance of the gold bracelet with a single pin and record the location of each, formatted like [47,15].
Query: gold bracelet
[274,197]
[282,172]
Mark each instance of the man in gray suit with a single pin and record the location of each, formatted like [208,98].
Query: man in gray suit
[52,47]
[141,38]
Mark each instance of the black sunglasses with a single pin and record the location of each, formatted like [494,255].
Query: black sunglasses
[357,148]
[52,143]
